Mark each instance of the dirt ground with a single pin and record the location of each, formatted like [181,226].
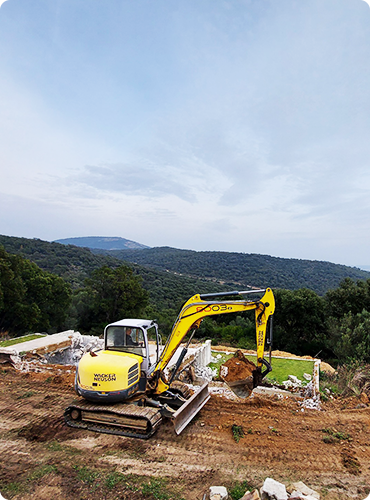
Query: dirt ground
[42,458]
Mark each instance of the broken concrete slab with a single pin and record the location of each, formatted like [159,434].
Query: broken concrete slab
[305,490]
[273,490]
[45,343]
[64,348]
[297,495]
[218,493]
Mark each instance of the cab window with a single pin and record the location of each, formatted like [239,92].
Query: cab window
[125,339]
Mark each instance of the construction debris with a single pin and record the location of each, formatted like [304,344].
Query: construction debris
[218,493]
[65,348]
[301,489]
[251,495]
[271,490]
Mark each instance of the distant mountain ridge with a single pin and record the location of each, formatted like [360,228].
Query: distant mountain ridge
[243,269]
[102,242]
[167,271]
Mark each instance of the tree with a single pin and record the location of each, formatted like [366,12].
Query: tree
[110,295]
[348,297]
[30,299]
[350,337]
[299,321]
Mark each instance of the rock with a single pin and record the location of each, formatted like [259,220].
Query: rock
[204,373]
[218,493]
[313,403]
[364,398]
[272,490]
[305,490]
[295,380]
[251,495]
[307,376]
[298,495]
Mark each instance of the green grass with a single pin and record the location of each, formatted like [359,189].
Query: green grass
[42,471]
[27,394]
[12,488]
[333,436]
[157,488]
[281,368]
[86,475]
[19,340]
[113,479]
[238,490]
[238,432]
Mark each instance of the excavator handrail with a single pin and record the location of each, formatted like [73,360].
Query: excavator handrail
[226,294]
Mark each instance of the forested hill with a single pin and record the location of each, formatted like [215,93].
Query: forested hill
[74,264]
[200,271]
[244,270]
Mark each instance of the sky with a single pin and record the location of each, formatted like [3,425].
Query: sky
[225,125]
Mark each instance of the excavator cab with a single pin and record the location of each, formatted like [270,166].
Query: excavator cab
[121,369]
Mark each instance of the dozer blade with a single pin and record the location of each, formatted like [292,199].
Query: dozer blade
[188,410]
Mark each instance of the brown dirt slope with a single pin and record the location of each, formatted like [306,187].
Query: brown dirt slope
[42,458]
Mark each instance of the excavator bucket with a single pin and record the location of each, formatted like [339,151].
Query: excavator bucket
[184,415]
[242,388]
[241,375]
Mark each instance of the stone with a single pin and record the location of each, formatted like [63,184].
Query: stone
[294,379]
[218,493]
[251,495]
[302,488]
[273,490]
[364,398]
[298,495]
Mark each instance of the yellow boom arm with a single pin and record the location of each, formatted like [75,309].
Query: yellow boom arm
[198,307]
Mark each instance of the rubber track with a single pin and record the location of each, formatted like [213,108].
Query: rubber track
[151,416]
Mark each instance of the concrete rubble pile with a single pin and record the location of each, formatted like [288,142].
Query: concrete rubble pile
[65,348]
[270,490]
[72,354]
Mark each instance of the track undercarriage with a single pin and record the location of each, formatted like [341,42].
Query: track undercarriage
[131,419]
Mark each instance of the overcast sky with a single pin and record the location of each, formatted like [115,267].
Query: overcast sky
[236,125]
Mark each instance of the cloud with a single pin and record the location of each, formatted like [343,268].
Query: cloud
[172,121]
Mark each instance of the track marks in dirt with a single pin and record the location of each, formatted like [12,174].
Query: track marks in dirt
[279,440]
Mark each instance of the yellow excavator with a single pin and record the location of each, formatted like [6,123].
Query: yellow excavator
[125,391]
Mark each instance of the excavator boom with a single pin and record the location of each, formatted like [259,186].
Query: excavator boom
[200,306]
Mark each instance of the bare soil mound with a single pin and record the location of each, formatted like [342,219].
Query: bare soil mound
[237,368]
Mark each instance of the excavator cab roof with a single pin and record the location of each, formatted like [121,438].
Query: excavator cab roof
[134,323]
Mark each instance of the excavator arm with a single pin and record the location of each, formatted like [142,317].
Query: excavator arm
[200,306]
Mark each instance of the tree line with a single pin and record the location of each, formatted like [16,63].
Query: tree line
[243,269]
[335,326]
